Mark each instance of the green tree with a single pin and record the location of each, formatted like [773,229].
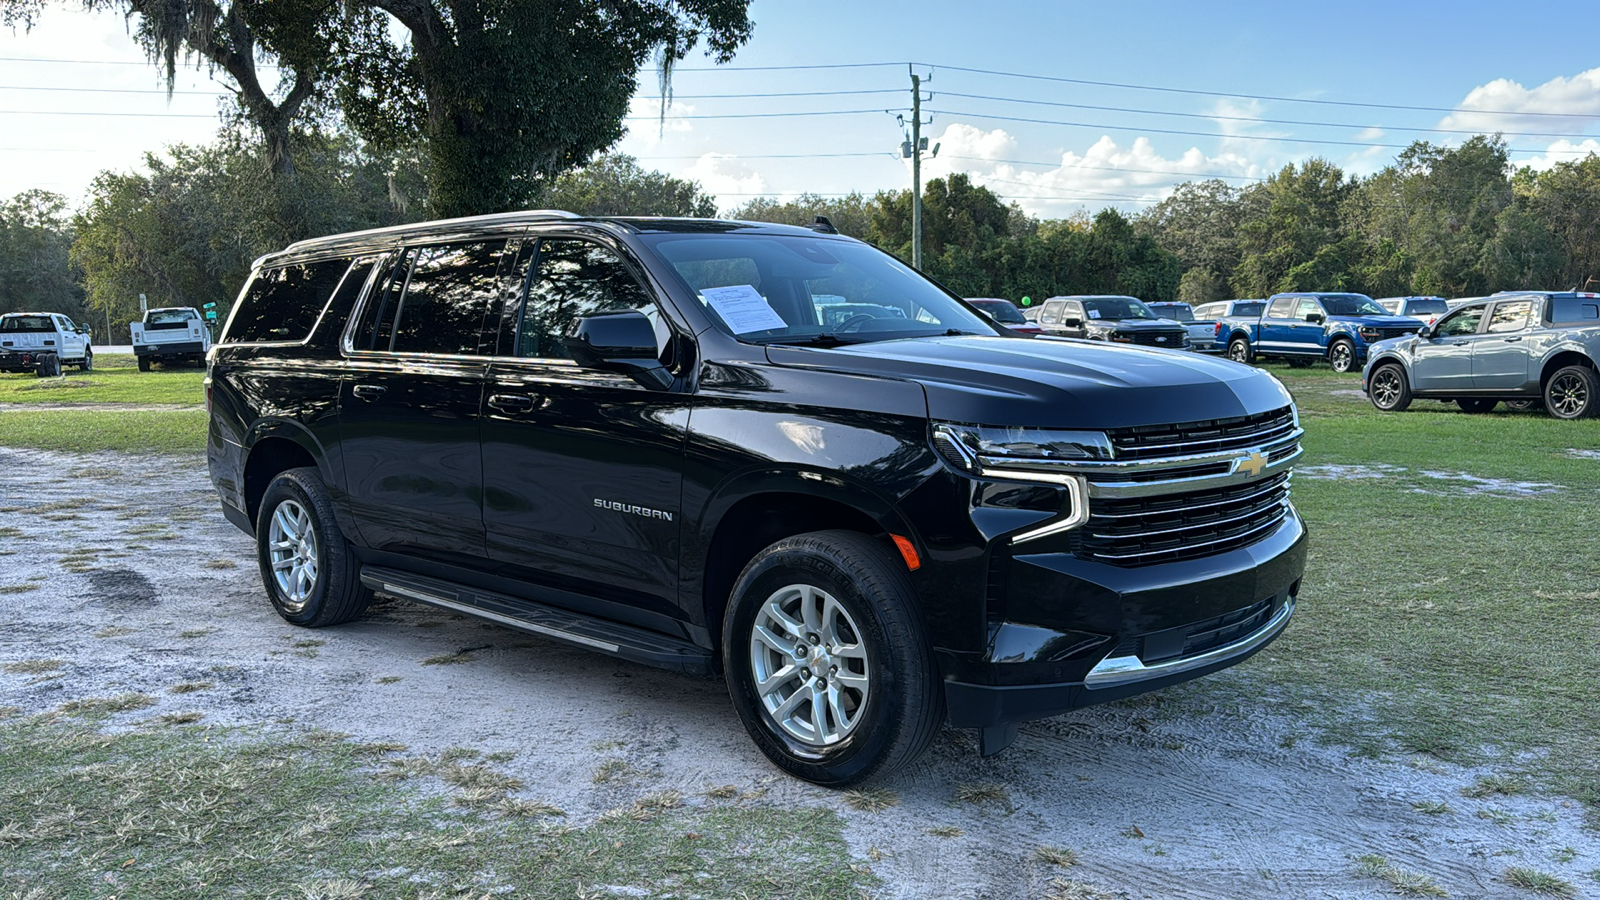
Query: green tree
[850,214]
[1290,234]
[1565,200]
[1199,224]
[616,185]
[509,94]
[35,270]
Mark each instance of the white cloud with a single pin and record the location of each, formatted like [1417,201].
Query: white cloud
[1105,174]
[724,176]
[1502,105]
[1370,134]
[1561,151]
[646,126]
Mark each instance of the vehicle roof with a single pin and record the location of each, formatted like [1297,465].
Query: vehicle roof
[1587,295]
[23,312]
[381,238]
[1093,297]
[987,300]
[1169,303]
[1318,294]
[171,309]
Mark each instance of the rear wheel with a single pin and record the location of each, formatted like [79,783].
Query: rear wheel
[826,660]
[144,363]
[48,367]
[1389,390]
[1239,350]
[1571,393]
[1342,355]
[1476,405]
[307,568]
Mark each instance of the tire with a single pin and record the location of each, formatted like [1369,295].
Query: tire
[892,678]
[295,505]
[1524,405]
[88,361]
[1239,350]
[1389,390]
[1476,404]
[1572,393]
[1342,355]
[144,363]
[49,367]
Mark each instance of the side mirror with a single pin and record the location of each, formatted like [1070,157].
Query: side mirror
[1316,318]
[1072,322]
[621,341]
[1425,332]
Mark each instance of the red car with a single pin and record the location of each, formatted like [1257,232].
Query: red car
[1006,313]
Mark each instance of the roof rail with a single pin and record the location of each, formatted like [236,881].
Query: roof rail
[484,220]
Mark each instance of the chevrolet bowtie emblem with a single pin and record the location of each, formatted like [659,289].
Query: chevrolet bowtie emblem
[1250,465]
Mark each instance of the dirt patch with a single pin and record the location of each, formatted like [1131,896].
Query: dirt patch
[1192,793]
[1430,482]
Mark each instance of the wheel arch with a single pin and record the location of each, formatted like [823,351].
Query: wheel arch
[275,447]
[1562,358]
[756,509]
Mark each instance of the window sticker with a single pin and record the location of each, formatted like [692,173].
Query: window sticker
[743,308]
[1094,313]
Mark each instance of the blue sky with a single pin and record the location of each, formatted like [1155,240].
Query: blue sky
[1535,58]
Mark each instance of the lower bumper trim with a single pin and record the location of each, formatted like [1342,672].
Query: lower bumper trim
[1115,671]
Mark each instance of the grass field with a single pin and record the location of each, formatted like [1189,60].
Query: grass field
[115,413]
[115,379]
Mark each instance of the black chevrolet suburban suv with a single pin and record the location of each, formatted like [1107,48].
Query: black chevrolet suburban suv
[769,452]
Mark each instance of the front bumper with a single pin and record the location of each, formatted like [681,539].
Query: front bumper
[1111,633]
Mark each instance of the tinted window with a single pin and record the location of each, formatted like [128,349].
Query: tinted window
[1510,316]
[1571,311]
[283,304]
[1282,308]
[575,279]
[1001,310]
[1208,311]
[1248,309]
[1115,308]
[26,324]
[1174,311]
[1465,321]
[442,306]
[159,319]
[1430,307]
[1351,305]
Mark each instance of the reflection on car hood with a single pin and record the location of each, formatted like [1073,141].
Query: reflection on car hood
[1380,321]
[1054,382]
[1137,324]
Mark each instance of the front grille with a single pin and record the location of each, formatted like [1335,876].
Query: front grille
[1169,527]
[1150,338]
[1214,436]
[1207,634]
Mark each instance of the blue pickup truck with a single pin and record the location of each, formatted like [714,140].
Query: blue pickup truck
[1305,327]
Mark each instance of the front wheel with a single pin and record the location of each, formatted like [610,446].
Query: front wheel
[826,660]
[308,570]
[1239,350]
[1571,393]
[1342,356]
[1476,405]
[88,361]
[1389,390]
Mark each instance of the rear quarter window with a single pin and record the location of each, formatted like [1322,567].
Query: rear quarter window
[283,304]
[1575,310]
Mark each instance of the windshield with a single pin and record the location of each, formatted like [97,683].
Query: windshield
[1117,308]
[768,289]
[1174,311]
[1426,307]
[1001,310]
[1351,305]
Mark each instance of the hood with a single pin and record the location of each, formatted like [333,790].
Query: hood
[1380,321]
[1054,382]
[1137,324]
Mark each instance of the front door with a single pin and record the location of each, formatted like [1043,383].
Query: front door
[1500,357]
[409,403]
[583,468]
[1443,360]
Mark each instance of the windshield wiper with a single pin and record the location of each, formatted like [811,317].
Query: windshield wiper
[810,340]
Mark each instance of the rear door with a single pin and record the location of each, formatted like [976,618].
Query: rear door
[1500,358]
[409,403]
[1277,325]
[583,469]
[1443,361]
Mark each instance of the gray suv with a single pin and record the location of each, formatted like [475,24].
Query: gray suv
[1526,348]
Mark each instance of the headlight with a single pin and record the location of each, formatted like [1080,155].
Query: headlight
[964,445]
[1370,334]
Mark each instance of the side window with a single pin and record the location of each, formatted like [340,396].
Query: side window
[1575,311]
[1208,311]
[1282,308]
[1508,317]
[1307,307]
[446,296]
[576,278]
[1393,306]
[1463,322]
[282,304]
[1073,310]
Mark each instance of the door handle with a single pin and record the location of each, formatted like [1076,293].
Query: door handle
[509,403]
[1513,339]
[368,391]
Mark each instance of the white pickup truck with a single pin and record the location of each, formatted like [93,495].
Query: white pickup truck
[42,342]
[170,334]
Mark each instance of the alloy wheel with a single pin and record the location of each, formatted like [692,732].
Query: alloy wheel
[292,540]
[1386,387]
[1569,395]
[809,665]
[1341,357]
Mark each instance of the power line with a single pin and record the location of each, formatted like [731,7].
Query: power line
[869,65]
[1155,112]
[775,115]
[28,87]
[1209,134]
[54,112]
[677,96]
[98,62]
[1171,90]
[883,153]
[1059,164]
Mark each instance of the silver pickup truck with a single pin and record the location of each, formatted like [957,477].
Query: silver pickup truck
[1523,348]
[42,342]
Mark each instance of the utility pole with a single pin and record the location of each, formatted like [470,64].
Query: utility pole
[914,149]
